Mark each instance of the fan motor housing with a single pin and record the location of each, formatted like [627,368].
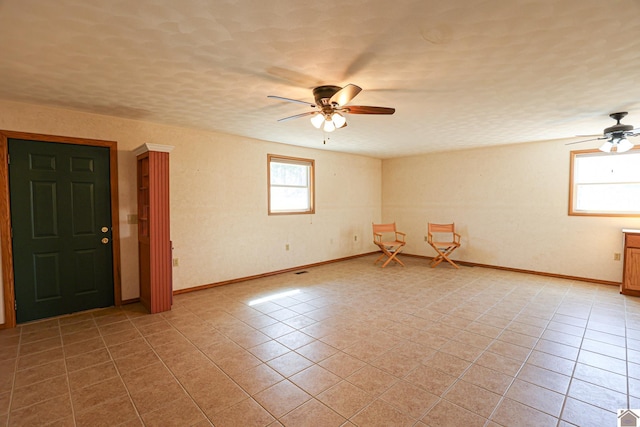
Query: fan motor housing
[618,128]
[324,92]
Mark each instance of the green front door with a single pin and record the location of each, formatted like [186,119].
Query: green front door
[61,228]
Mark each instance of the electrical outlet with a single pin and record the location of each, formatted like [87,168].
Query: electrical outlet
[176,262]
[616,256]
[425,238]
[355,237]
[286,247]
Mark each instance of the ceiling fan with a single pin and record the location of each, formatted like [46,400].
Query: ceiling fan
[330,106]
[616,135]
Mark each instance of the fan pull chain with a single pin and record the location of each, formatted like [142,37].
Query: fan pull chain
[324,137]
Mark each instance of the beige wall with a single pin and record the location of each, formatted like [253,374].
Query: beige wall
[219,226]
[510,204]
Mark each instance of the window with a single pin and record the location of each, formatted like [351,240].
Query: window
[290,185]
[604,184]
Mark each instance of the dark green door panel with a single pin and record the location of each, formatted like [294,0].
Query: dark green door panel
[60,214]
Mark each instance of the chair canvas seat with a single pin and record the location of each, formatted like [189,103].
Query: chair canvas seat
[444,249]
[389,248]
[390,245]
[443,245]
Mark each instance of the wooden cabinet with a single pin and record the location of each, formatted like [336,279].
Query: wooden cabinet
[154,241]
[631,272]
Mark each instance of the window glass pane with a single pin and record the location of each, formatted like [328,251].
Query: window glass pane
[607,168]
[289,198]
[289,174]
[618,198]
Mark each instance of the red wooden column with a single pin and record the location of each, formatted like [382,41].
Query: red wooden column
[154,239]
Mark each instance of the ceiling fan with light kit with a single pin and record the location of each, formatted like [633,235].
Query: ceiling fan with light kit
[615,136]
[330,106]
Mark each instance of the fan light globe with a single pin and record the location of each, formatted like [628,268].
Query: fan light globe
[338,120]
[606,147]
[317,120]
[624,145]
[329,126]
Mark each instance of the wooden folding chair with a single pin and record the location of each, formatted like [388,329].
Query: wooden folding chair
[444,249]
[389,248]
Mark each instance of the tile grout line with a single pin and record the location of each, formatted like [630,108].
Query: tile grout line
[16,370]
[13,380]
[66,371]
[503,396]
[166,367]
[287,378]
[221,370]
[208,358]
[116,368]
[575,365]
[626,354]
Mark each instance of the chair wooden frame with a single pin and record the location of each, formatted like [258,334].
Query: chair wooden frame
[444,249]
[389,248]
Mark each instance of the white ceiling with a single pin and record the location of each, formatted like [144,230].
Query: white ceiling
[460,73]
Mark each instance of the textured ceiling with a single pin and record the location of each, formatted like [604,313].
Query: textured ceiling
[460,73]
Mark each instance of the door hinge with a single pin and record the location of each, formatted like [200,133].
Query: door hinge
[8,159]
[15,305]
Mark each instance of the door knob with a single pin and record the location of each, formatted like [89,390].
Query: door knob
[104,229]
[105,240]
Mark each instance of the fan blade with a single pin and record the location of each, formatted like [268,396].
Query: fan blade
[361,109]
[310,113]
[586,140]
[345,94]
[291,100]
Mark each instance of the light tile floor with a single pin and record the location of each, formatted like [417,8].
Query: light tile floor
[344,344]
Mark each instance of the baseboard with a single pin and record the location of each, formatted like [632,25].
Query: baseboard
[302,267]
[272,273]
[464,263]
[520,270]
